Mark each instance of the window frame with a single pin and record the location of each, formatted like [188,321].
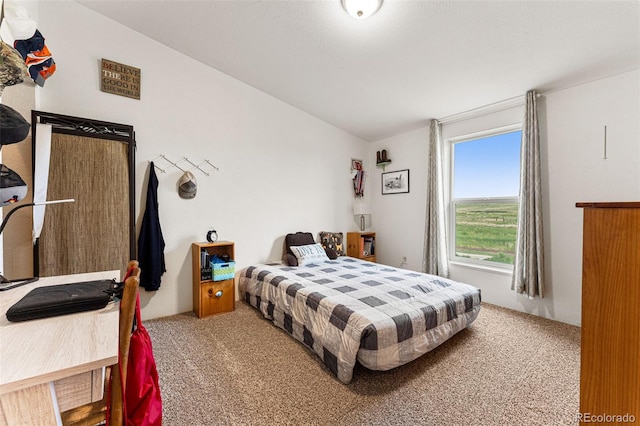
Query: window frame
[453,202]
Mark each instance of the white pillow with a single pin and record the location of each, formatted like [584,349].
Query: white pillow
[312,253]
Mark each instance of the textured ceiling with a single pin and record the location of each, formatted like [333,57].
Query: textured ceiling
[412,61]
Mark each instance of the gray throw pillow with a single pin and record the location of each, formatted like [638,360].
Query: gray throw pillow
[297,239]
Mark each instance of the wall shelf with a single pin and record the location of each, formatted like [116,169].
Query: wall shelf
[383,164]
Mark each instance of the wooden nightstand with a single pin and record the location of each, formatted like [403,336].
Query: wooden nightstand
[211,297]
[362,245]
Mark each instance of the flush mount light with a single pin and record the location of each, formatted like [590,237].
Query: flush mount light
[361,9]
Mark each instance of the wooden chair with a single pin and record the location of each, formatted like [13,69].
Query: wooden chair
[96,412]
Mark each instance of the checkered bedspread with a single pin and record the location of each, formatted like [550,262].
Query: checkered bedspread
[348,309]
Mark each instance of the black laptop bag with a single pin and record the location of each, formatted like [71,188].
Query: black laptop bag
[62,299]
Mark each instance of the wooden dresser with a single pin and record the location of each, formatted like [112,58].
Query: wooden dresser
[610,345]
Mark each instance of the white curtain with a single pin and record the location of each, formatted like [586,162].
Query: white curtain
[41,176]
[1,217]
[528,273]
[435,259]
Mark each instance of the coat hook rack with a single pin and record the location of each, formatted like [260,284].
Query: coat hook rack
[171,163]
[176,164]
[210,164]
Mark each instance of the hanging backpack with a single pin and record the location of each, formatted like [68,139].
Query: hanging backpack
[143,403]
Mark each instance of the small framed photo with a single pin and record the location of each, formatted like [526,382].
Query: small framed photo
[356,164]
[395,182]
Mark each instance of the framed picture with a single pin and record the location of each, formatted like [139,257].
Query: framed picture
[356,164]
[395,182]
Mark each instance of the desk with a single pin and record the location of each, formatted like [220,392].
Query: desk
[54,364]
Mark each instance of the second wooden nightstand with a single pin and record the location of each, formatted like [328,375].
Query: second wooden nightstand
[362,245]
[211,297]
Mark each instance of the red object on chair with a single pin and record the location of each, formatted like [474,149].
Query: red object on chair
[143,401]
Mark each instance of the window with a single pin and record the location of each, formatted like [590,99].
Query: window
[485,182]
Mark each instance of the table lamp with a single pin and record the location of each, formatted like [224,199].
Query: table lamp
[360,209]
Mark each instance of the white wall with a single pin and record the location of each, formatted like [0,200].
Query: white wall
[398,219]
[575,120]
[281,170]
[571,125]
[17,234]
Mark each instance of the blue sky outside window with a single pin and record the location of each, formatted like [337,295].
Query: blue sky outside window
[488,166]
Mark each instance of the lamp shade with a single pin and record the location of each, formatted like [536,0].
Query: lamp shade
[361,9]
[361,208]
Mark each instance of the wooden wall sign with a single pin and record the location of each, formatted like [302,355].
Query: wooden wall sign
[120,79]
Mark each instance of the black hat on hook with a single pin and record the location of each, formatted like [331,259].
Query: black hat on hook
[13,127]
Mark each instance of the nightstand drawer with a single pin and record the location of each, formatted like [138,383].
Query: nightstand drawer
[217,297]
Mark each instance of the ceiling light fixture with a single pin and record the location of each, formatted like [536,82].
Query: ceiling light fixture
[361,9]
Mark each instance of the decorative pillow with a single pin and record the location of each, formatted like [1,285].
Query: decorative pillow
[290,259]
[331,253]
[312,253]
[297,239]
[332,240]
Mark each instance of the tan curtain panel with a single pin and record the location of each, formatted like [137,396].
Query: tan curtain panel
[528,271]
[435,260]
[91,234]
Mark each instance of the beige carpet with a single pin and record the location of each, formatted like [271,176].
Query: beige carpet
[236,368]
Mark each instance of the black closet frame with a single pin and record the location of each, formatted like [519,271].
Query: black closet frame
[94,129]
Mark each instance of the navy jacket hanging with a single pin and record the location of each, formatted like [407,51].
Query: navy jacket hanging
[150,240]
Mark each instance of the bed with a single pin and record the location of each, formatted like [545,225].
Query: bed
[347,309]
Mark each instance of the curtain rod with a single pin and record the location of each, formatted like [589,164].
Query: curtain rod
[512,102]
[483,110]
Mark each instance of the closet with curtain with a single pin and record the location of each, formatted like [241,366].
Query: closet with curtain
[92,162]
